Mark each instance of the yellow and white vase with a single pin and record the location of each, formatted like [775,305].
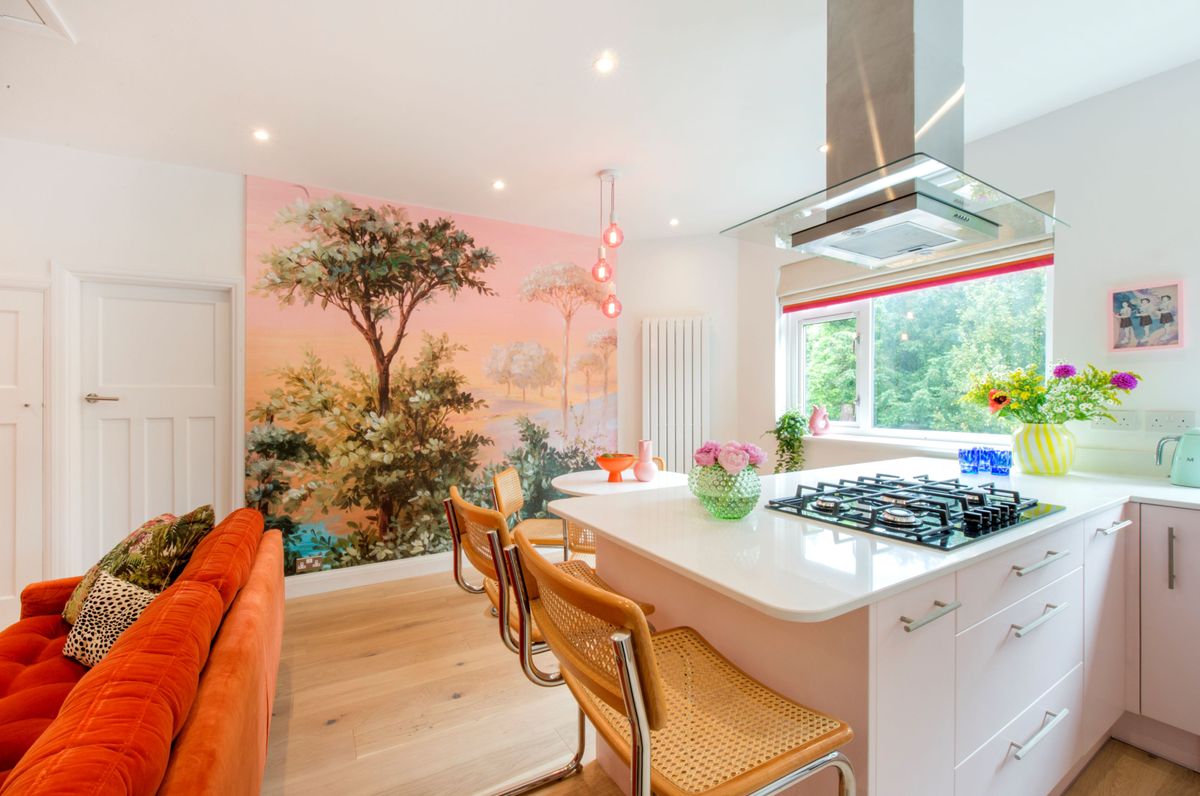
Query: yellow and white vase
[1044,448]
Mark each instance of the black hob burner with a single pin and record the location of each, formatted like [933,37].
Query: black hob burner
[935,513]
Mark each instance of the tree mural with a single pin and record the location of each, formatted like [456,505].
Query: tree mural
[604,341]
[533,367]
[589,363]
[568,288]
[377,267]
[498,366]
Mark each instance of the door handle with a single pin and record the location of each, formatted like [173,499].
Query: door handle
[941,610]
[1171,557]
[93,398]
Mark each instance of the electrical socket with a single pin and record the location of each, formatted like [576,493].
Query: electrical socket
[1123,420]
[1171,421]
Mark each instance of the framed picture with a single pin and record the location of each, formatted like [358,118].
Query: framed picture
[1146,317]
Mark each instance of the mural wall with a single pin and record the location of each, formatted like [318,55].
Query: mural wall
[394,350]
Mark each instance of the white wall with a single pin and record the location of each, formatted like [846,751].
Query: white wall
[93,212]
[669,277]
[1123,170]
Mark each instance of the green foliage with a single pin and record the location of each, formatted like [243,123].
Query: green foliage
[538,463]
[925,362]
[275,458]
[832,378]
[789,441]
[409,456]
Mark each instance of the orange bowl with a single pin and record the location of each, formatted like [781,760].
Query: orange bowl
[616,463]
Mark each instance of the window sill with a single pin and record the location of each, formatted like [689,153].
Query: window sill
[933,446]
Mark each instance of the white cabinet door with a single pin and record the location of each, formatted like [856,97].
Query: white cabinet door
[21,362]
[1106,537]
[914,692]
[156,408]
[1171,616]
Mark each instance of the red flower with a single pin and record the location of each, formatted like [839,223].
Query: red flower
[997,401]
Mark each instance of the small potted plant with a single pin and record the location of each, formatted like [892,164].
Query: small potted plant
[789,441]
[1042,443]
[724,478]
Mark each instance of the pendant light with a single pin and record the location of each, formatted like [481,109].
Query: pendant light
[611,306]
[613,236]
[602,271]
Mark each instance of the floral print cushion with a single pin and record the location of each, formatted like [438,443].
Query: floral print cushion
[151,557]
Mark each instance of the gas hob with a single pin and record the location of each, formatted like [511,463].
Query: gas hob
[942,514]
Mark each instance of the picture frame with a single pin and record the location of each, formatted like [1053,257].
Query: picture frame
[1146,317]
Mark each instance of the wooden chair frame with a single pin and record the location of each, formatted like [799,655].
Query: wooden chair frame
[635,707]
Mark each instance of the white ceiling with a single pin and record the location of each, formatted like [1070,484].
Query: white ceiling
[713,114]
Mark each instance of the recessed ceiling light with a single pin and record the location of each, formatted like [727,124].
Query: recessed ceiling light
[498,185]
[823,148]
[674,222]
[605,63]
[261,135]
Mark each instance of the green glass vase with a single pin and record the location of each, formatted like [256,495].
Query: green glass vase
[726,496]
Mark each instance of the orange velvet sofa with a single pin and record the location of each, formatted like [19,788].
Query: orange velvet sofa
[182,702]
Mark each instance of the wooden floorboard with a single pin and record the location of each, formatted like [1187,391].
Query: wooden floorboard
[405,689]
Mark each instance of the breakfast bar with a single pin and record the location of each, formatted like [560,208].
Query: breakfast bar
[945,663]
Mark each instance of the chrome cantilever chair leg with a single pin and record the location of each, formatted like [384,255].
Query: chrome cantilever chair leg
[526,647]
[505,560]
[456,545]
[504,583]
[635,711]
[846,783]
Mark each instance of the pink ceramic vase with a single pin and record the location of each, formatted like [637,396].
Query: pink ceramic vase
[645,469]
[818,423]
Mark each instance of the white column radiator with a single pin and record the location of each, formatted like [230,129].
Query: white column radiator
[675,387]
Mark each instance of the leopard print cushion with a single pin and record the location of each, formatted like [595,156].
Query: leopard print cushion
[112,605]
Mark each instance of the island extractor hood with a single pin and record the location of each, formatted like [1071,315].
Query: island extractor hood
[895,93]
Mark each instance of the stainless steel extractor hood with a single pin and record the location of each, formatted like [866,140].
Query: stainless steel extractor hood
[895,93]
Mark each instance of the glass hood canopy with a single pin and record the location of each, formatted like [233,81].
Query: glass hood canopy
[911,211]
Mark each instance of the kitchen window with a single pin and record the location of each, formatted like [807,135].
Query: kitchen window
[898,363]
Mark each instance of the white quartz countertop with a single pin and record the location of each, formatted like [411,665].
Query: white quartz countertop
[802,570]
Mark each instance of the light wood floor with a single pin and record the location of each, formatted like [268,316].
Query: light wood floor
[404,688]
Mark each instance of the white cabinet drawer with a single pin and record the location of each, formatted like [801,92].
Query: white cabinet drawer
[1004,662]
[1045,736]
[1000,581]
[914,721]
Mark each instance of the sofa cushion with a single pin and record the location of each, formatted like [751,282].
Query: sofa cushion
[35,678]
[136,538]
[110,608]
[113,733]
[150,558]
[225,556]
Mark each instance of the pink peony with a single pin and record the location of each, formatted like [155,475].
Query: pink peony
[755,453]
[706,454]
[733,458]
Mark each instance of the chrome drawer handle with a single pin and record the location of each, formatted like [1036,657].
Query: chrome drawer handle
[1116,526]
[942,609]
[1026,629]
[1050,558]
[1040,735]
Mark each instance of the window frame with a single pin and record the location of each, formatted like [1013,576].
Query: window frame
[864,426]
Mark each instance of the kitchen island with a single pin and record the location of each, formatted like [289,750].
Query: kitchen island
[943,700]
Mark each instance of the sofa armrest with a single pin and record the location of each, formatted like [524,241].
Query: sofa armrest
[47,597]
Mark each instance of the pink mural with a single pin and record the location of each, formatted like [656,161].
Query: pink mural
[394,350]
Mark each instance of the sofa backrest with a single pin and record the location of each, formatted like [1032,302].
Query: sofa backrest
[226,554]
[222,748]
[113,733]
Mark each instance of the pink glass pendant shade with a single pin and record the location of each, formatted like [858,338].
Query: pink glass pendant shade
[602,271]
[613,236]
[611,306]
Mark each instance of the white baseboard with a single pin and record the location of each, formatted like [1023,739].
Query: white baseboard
[364,575]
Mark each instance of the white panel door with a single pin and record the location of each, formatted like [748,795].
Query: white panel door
[156,405]
[21,475]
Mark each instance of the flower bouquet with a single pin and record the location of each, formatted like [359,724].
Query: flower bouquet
[1042,444]
[724,478]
